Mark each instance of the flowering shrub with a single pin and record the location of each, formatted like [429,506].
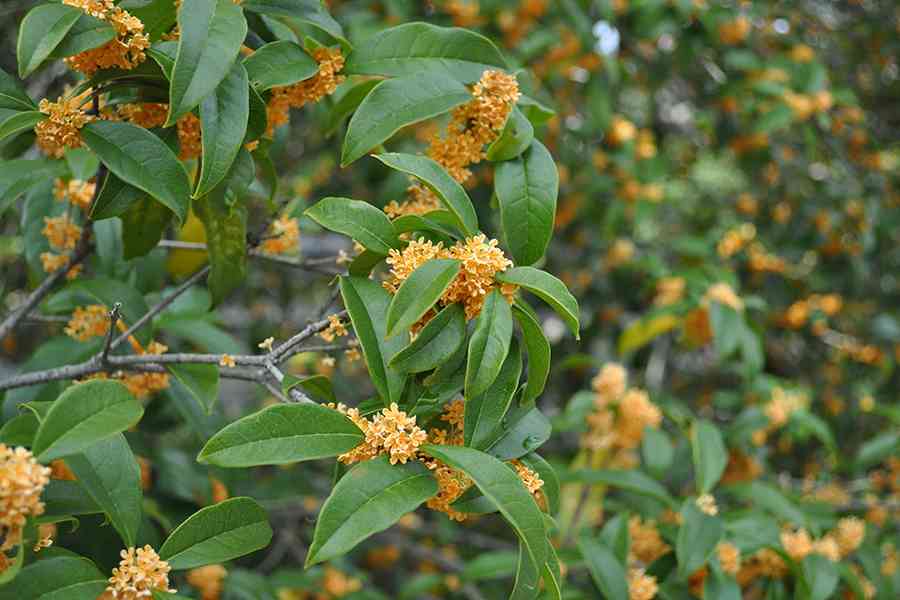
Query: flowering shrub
[283,277]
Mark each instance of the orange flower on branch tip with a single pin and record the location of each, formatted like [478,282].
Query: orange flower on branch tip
[88,322]
[125,51]
[283,236]
[139,574]
[78,192]
[641,586]
[334,330]
[22,480]
[207,580]
[61,233]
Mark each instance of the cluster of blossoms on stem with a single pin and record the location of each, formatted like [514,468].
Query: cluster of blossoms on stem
[143,384]
[336,328]
[88,322]
[62,235]
[472,126]
[390,432]
[283,236]
[153,114]
[139,574]
[125,51]
[480,260]
[322,84]
[620,416]
[22,480]
[62,127]
[78,192]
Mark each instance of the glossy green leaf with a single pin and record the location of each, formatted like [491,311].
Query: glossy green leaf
[18,176]
[605,569]
[40,32]
[721,587]
[489,344]
[201,380]
[514,139]
[115,198]
[224,216]
[396,103]
[58,577]
[223,123]
[367,304]
[347,104]
[526,189]
[318,387]
[371,497]
[279,63]
[420,47]
[217,533]
[538,349]
[141,159]
[19,122]
[359,220]
[441,337]
[110,474]
[85,414]
[484,412]
[12,95]
[311,12]
[709,454]
[20,430]
[448,190]
[503,487]
[419,292]
[697,538]
[87,33]
[212,32]
[525,430]
[64,498]
[657,451]
[143,225]
[282,434]
[528,577]
[548,288]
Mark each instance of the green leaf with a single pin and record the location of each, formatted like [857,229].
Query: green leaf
[515,138]
[359,220]
[64,498]
[282,434]
[218,533]
[526,430]
[367,304]
[605,569]
[201,380]
[528,577]
[20,430]
[224,217]
[279,63]
[526,189]
[877,449]
[548,288]
[87,33]
[12,96]
[420,47]
[538,354]
[657,451]
[419,292]
[727,326]
[17,176]
[441,337]
[819,577]
[502,486]
[19,122]
[83,415]
[631,481]
[396,103]
[223,122]
[697,538]
[212,32]
[344,107]
[40,32]
[448,190]
[317,386]
[107,291]
[110,474]
[489,344]
[143,224]
[770,499]
[709,454]
[718,586]
[484,412]
[141,159]
[311,12]
[371,497]
[115,198]
[60,577]
[614,535]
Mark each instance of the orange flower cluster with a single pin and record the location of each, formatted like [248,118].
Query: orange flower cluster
[620,415]
[88,322]
[22,480]
[481,261]
[61,128]
[125,51]
[62,235]
[729,557]
[80,193]
[284,236]
[735,239]
[646,543]
[139,574]
[390,432]
[153,114]
[322,84]
[335,329]
[208,581]
[641,586]
[140,385]
[452,483]
[669,290]
[839,543]
[472,126]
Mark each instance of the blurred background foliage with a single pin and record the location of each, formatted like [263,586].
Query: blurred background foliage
[729,222]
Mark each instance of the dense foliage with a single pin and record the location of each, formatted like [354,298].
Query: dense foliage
[282,280]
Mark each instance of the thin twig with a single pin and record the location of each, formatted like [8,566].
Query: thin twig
[282,351]
[309,264]
[113,321]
